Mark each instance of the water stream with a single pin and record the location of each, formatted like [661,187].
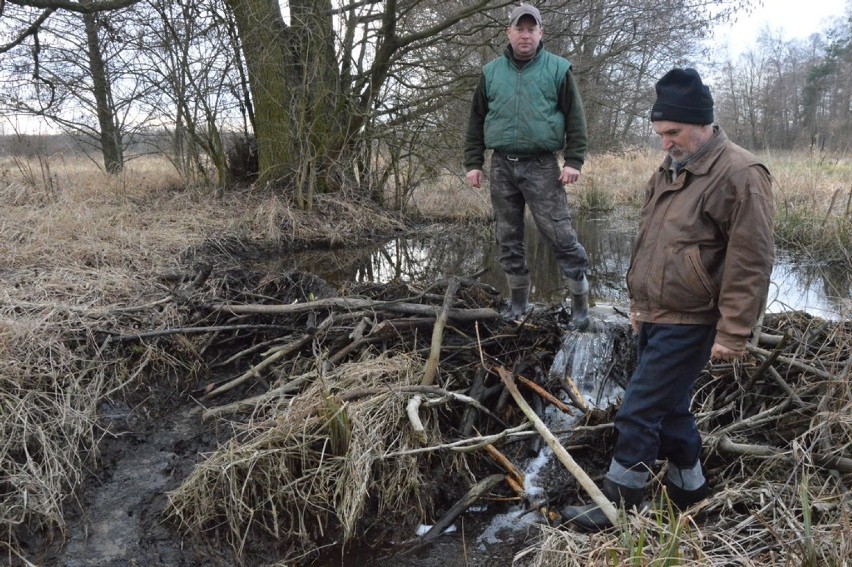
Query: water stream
[797,284]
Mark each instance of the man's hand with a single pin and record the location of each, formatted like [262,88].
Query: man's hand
[568,176]
[634,322]
[474,177]
[721,352]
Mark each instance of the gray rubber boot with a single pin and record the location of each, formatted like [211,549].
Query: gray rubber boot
[519,296]
[591,518]
[686,486]
[579,304]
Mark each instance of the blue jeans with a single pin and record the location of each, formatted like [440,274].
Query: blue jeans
[534,183]
[654,421]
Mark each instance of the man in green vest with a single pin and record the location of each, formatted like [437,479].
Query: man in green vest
[527,108]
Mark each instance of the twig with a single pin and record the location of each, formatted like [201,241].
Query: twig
[757,419]
[725,445]
[545,394]
[438,334]
[570,388]
[354,303]
[466,445]
[247,403]
[514,477]
[414,417]
[276,354]
[189,330]
[354,394]
[475,493]
[766,361]
[477,388]
[786,387]
[792,362]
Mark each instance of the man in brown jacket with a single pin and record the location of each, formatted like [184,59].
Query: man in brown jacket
[698,279]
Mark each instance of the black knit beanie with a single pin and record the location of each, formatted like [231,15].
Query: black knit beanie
[682,97]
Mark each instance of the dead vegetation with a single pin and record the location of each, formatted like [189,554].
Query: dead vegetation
[328,433]
[335,435]
[777,427]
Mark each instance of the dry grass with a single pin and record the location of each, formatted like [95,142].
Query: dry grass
[307,463]
[812,195]
[607,181]
[81,255]
[450,197]
[813,202]
[760,523]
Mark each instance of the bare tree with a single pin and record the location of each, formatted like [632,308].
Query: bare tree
[195,88]
[52,81]
[788,94]
[362,90]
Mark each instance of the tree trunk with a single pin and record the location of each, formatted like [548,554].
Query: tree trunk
[300,114]
[264,38]
[110,134]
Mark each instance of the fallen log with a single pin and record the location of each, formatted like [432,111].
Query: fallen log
[479,314]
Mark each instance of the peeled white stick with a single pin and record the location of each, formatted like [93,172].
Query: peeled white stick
[412,409]
[588,485]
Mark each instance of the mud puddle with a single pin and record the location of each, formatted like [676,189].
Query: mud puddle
[120,523]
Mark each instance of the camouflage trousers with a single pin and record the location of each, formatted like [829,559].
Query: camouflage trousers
[534,183]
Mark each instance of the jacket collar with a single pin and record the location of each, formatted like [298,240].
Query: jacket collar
[510,55]
[705,156]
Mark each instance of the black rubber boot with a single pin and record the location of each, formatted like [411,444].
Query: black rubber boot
[682,499]
[519,296]
[591,518]
[579,304]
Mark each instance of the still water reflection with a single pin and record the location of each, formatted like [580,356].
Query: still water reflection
[439,252]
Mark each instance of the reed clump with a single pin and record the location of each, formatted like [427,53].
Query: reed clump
[813,201]
[304,465]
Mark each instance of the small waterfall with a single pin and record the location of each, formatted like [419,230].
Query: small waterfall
[598,361]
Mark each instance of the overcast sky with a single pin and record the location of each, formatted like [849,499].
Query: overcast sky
[795,18]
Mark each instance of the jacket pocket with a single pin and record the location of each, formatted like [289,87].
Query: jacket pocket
[687,287]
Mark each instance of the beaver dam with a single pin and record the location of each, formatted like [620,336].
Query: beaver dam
[241,418]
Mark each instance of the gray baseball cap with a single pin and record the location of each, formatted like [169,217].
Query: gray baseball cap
[524,10]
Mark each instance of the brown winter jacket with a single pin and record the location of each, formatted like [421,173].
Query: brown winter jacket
[705,246]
